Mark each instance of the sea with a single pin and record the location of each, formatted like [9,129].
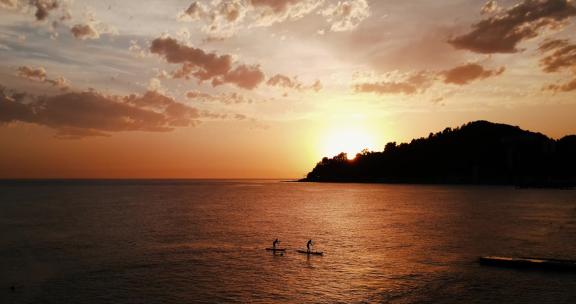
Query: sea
[203,241]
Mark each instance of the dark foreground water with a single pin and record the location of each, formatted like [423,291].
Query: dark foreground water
[203,241]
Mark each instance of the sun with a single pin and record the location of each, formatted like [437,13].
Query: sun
[350,140]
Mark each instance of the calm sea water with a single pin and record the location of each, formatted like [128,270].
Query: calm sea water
[203,241]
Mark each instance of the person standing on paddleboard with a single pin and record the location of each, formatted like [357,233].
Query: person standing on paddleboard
[276,241]
[308,245]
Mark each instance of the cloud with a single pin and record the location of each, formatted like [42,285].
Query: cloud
[316,86]
[346,15]
[195,61]
[268,12]
[490,7]
[59,82]
[254,123]
[502,33]
[136,49]
[412,84]
[284,81]
[195,11]
[343,15]
[231,11]
[9,4]
[200,95]
[154,84]
[565,87]
[12,107]
[469,72]
[420,82]
[223,19]
[90,113]
[43,8]
[55,13]
[84,31]
[277,6]
[244,76]
[559,55]
[92,28]
[225,98]
[39,74]
[205,66]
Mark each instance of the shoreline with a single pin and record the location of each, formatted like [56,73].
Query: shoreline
[381,181]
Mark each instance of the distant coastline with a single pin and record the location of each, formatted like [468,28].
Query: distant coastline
[477,153]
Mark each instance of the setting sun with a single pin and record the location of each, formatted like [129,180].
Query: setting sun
[349,140]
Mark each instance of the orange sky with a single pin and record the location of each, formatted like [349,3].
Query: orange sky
[266,88]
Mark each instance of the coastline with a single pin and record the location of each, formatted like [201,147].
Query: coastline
[560,186]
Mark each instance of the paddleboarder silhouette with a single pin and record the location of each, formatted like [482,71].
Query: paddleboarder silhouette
[276,241]
[308,245]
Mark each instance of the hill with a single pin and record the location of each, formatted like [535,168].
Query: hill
[478,152]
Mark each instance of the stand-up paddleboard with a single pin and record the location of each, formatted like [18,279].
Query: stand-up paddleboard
[276,249]
[310,252]
[535,263]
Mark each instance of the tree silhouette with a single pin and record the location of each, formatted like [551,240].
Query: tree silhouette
[478,152]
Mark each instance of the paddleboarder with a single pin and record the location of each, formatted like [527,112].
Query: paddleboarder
[276,241]
[308,245]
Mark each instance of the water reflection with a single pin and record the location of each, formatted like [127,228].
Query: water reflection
[204,241]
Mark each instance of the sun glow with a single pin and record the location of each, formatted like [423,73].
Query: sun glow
[351,141]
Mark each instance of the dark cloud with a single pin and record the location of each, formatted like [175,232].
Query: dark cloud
[84,31]
[559,55]
[466,73]
[414,84]
[12,108]
[195,61]
[502,33]
[205,66]
[564,87]
[244,76]
[43,8]
[418,83]
[78,114]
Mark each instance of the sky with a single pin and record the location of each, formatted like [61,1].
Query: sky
[266,88]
